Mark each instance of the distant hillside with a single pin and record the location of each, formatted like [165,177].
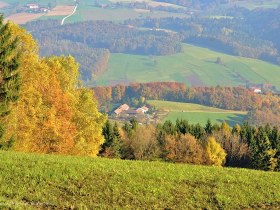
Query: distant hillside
[195,67]
[56,182]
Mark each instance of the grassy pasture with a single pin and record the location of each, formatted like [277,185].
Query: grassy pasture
[253,4]
[30,181]
[195,66]
[87,12]
[202,117]
[196,113]
[188,107]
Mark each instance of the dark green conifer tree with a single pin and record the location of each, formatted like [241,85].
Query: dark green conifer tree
[113,142]
[263,155]
[208,127]
[9,76]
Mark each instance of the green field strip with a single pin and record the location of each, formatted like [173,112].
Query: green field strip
[193,63]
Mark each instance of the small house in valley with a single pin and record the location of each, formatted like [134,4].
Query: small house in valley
[142,109]
[121,108]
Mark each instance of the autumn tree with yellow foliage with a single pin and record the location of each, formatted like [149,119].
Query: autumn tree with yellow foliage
[54,114]
[215,153]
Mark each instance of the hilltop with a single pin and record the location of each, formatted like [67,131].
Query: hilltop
[49,181]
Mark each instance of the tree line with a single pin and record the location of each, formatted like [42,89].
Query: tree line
[261,108]
[241,146]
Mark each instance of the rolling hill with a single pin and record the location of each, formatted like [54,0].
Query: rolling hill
[195,66]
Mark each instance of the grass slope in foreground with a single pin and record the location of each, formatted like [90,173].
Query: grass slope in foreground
[196,113]
[46,181]
[195,66]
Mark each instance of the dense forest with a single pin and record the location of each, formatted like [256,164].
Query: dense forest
[262,108]
[241,146]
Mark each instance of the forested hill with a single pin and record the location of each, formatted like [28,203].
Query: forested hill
[91,42]
[104,34]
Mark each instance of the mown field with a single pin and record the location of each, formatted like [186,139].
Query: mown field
[195,66]
[202,117]
[196,113]
[86,12]
[30,181]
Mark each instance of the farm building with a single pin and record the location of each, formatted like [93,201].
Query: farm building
[32,6]
[143,109]
[122,108]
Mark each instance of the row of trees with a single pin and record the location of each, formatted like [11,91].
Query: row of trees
[240,146]
[43,108]
[262,108]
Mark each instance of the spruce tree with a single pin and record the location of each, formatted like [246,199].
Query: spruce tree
[9,76]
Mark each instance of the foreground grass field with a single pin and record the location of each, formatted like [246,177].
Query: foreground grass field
[195,66]
[30,181]
[196,113]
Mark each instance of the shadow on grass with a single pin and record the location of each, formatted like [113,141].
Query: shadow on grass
[233,120]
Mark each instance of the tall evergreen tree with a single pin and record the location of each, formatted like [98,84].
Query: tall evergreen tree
[208,127]
[9,76]
[9,63]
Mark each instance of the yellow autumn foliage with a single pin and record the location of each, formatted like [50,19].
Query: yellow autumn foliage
[54,114]
[215,153]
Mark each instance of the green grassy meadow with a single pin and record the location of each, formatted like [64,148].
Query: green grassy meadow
[202,117]
[31,181]
[195,66]
[196,113]
[87,12]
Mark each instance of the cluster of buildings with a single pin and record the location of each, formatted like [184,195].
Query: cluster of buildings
[35,8]
[125,110]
